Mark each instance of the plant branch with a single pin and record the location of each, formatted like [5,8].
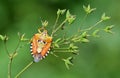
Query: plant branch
[25,68]
[60,48]
[95,24]
[62,51]
[6,49]
[91,27]
[15,51]
[56,21]
[84,18]
[9,68]
[11,59]
[54,31]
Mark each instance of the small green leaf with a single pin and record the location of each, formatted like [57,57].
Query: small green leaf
[88,9]
[44,23]
[68,62]
[22,37]
[104,17]
[72,46]
[56,45]
[70,18]
[58,12]
[2,37]
[73,49]
[108,29]
[58,40]
[75,52]
[95,33]
[68,14]
[61,11]
[84,35]
[85,40]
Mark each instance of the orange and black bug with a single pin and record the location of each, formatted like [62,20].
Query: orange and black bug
[40,45]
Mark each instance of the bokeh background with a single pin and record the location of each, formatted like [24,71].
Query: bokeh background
[98,59]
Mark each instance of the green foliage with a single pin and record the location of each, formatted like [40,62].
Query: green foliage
[63,44]
[81,37]
[95,33]
[88,9]
[4,38]
[22,37]
[108,29]
[70,18]
[61,12]
[45,23]
[104,17]
[68,61]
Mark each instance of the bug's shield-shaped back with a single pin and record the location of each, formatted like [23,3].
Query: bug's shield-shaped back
[40,45]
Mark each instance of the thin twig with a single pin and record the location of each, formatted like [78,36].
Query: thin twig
[60,48]
[11,59]
[84,18]
[9,68]
[26,67]
[62,52]
[15,51]
[10,62]
[95,24]
[91,27]
[6,49]
[56,21]
[54,31]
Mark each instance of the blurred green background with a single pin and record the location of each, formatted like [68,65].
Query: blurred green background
[98,59]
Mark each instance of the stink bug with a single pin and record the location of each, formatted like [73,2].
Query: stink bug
[40,45]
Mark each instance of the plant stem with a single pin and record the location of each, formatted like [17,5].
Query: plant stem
[10,62]
[55,24]
[54,31]
[54,54]
[95,24]
[6,49]
[26,67]
[60,48]
[11,58]
[15,51]
[9,68]
[84,18]
[62,51]
[91,27]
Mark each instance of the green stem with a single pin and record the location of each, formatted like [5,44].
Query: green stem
[93,26]
[60,48]
[11,59]
[62,51]
[54,31]
[84,18]
[9,68]
[56,21]
[10,62]
[6,49]
[16,49]
[26,67]
[54,54]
